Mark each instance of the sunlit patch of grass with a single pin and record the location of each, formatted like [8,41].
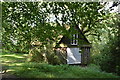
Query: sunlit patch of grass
[50,75]
[10,70]
[13,55]
[18,66]
[12,58]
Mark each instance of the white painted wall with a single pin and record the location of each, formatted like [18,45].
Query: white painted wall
[73,56]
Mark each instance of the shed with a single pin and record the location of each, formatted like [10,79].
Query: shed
[74,48]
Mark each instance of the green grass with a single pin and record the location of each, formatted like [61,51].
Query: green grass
[11,58]
[19,67]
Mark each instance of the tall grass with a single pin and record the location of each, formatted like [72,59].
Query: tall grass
[19,67]
[42,70]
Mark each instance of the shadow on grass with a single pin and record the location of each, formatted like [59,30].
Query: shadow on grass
[6,59]
[16,65]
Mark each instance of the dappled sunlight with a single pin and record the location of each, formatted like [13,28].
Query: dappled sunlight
[10,70]
[13,56]
[42,70]
[25,55]
[12,60]
[13,64]
[50,75]
[18,64]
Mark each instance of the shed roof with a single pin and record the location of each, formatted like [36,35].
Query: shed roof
[82,36]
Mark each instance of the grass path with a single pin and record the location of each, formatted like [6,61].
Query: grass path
[8,61]
[5,75]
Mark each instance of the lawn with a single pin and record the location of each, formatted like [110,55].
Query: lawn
[17,65]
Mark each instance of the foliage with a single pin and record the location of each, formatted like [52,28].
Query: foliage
[35,55]
[44,54]
[113,56]
[35,24]
[24,23]
[34,19]
[107,48]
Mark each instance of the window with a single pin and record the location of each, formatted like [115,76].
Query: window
[74,40]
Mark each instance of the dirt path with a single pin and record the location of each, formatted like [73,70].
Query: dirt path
[6,75]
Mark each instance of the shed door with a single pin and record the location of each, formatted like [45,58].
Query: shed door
[73,56]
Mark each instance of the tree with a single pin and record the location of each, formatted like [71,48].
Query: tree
[24,23]
[106,49]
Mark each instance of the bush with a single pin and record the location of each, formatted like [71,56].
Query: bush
[44,54]
[109,56]
[35,55]
[53,59]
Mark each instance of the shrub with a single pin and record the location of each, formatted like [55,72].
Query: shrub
[111,56]
[44,54]
[35,55]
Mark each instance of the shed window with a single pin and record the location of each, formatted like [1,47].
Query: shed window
[74,40]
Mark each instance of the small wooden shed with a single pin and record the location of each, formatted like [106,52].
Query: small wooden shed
[74,48]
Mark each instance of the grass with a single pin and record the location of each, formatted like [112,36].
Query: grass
[18,66]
